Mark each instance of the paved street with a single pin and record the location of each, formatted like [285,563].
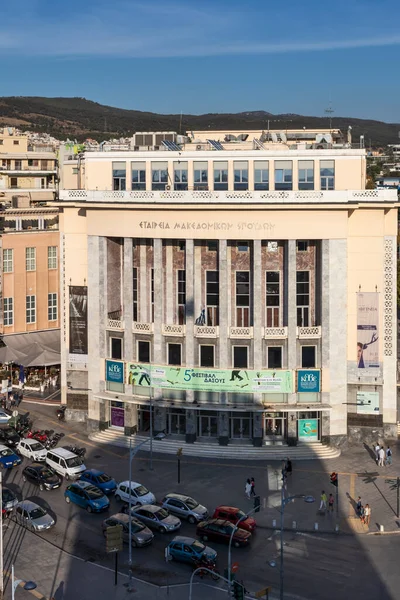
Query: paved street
[346,562]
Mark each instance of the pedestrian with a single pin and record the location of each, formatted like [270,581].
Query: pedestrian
[362,514]
[322,505]
[359,506]
[388,456]
[253,487]
[247,488]
[381,460]
[331,502]
[284,470]
[289,467]
[367,514]
[377,448]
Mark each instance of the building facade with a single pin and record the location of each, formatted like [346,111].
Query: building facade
[242,292]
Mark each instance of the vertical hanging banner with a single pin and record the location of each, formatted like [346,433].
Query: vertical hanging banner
[78,338]
[367,330]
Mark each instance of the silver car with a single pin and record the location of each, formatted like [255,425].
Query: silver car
[185,507]
[32,516]
[156,517]
[140,534]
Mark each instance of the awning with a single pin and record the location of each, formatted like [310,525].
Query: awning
[39,356]
[49,339]
[35,349]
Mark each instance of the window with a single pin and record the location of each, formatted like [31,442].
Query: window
[242,298]
[8,311]
[52,307]
[274,357]
[18,165]
[306,174]
[174,354]
[200,175]
[303,298]
[16,142]
[52,257]
[143,351]
[212,297]
[240,354]
[75,170]
[8,260]
[138,175]
[327,174]
[302,245]
[181,245]
[116,348]
[283,175]
[212,246]
[152,295]
[181,292]
[119,176]
[308,357]
[31,309]
[135,294]
[241,175]
[14,182]
[272,298]
[220,176]
[159,175]
[30,259]
[207,356]
[261,175]
[44,165]
[180,175]
[242,246]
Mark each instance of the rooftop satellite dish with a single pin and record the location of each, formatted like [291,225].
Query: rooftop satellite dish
[264,137]
[283,137]
[318,138]
[328,138]
[274,137]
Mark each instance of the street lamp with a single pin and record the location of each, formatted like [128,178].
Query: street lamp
[28,585]
[132,454]
[235,528]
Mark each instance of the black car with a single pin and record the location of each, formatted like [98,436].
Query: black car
[9,437]
[42,476]
[8,499]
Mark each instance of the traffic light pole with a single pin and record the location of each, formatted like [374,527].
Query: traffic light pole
[337,499]
[231,538]
[208,571]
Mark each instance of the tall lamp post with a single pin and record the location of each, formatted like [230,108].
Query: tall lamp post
[28,585]
[234,529]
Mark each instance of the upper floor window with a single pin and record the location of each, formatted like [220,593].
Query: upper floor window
[303,298]
[16,142]
[52,257]
[242,298]
[306,174]
[135,294]
[283,175]
[261,175]
[180,175]
[30,259]
[8,311]
[212,297]
[119,176]
[52,306]
[220,176]
[32,162]
[138,175]
[302,245]
[241,175]
[8,260]
[18,165]
[31,309]
[200,175]
[272,298]
[181,295]
[327,174]
[242,246]
[159,175]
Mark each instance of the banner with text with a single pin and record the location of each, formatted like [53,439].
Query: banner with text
[78,338]
[367,330]
[368,403]
[210,380]
[308,380]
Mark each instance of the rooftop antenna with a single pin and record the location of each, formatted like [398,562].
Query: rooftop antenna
[329,111]
[180,123]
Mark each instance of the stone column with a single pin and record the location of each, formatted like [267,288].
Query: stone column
[158,357]
[389,300]
[131,418]
[170,303]
[143,278]
[325,334]
[223,428]
[290,310]
[127,304]
[189,334]
[160,419]
[258,303]
[191,426]
[224,320]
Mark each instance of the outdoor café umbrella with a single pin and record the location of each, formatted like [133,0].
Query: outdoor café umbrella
[9,355]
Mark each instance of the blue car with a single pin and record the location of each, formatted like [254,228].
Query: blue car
[104,482]
[190,550]
[86,495]
[8,458]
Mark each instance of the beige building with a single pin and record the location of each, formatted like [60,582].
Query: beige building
[243,285]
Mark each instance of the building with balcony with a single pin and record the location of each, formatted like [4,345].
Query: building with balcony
[239,289]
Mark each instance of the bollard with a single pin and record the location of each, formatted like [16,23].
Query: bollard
[315,526]
[381,528]
[337,528]
[274,523]
[294,525]
[264,503]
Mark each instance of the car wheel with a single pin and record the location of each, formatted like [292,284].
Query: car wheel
[66,477]
[118,497]
[162,530]
[41,487]
[236,544]
[89,508]
[23,478]
[192,520]
[204,538]
[134,544]
[67,499]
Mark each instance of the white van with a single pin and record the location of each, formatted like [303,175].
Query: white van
[65,463]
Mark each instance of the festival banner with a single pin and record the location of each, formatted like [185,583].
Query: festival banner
[307,430]
[308,380]
[78,338]
[115,371]
[367,330]
[368,403]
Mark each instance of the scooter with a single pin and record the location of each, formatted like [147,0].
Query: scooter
[76,450]
[60,412]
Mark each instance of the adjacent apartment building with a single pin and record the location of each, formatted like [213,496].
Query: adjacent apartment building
[237,287]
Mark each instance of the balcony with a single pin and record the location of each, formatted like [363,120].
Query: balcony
[175,330]
[275,333]
[309,332]
[206,331]
[114,321]
[241,332]
[138,327]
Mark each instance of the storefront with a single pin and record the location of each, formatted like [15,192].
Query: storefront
[117,414]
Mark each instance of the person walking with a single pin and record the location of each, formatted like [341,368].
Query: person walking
[247,488]
[388,456]
[289,467]
[377,448]
[331,502]
[253,487]
[322,505]
[359,506]
[367,514]
[381,461]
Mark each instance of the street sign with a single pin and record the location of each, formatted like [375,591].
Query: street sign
[263,592]
[114,542]
[15,413]
[235,567]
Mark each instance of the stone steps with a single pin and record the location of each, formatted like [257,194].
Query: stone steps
[398,429]
[310,451]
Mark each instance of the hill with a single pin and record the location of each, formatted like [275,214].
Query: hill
[80,118]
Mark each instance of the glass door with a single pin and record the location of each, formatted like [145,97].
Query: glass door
[241,426]
[274,426]
[176,422]
[117,414]
[207,425]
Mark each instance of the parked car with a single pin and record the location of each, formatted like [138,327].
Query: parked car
[8,458]
[65,463]
[229,513]
[190,550]
[86,495]
[9,437]
[219,530]
[139,493]
[8,499]
[156,517]
[100,479]
[140,534]
[31,515]
[32,449]
[185,507]
[41,475]
[4,417]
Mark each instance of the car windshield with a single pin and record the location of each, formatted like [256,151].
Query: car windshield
[46,473]
[37,513]
[93,492]
[241,515]
[103,478]
[198,547]
[141,491]
[136,526]
[7,495]
[190,503]
[162,514]
[6,452]
[74,462]
[8,433]
[36,447]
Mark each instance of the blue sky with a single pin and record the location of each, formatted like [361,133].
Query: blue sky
[207,56]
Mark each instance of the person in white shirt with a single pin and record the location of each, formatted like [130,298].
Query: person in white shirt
[377,448]
[381,462]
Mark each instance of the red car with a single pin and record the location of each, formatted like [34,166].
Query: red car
[229,513]
[219,530]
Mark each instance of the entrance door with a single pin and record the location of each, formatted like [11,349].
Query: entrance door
[274,425]
[176,422]
[144,418]
[117,416]
[241,426]
[208,425]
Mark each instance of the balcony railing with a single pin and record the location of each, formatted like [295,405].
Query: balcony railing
[275,332]
[309,332]
[138,327]
[115,321]
[241,332]
[177,330]
[206,331]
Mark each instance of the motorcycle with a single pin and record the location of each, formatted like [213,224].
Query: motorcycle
[60,412]
[76,450]
[207,564]
[53,440]
[40,436]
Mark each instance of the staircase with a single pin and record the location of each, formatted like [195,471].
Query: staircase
[398,429]
[312,450]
